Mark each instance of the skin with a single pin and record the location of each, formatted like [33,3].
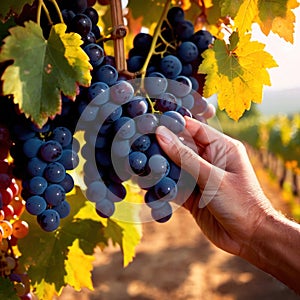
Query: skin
[228,203]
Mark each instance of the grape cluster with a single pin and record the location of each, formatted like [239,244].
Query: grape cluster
[42,157]
[120,133]
[177,51]
[12,227]
[120,118]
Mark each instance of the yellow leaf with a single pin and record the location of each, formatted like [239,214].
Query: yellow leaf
[277,16]
[240,83]
[45,291]
[245,16]
[79,267]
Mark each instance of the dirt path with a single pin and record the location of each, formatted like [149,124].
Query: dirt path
[175,261]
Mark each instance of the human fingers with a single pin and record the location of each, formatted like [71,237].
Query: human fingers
[184,156]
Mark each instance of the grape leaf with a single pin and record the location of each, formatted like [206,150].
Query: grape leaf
[15,6]
[243,81]
[7,290]
[230,7]
[124,227]
[42,69]
[48,265]
[79,277]
[245,16]
[277,16]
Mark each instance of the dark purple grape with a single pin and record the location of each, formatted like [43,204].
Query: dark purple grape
[51,151]
[184,30]
[142,41]
[170,66]
[81,24]
[175,15]
[202,39]
[92,14]
[95,54]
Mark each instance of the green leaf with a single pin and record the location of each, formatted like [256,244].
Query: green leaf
[4,27]
[228,63]
[15,6]
[46,254]
[230,7]
[7,290]
[43,69]
[270,9]
[233,39]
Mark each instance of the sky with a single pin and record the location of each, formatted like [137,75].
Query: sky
[287,56]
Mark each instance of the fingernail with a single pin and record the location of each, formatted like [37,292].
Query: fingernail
[164,134]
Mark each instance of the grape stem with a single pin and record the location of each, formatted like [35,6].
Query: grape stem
[57,10]
[155,37]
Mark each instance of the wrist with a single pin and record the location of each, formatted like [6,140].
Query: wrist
[274,248]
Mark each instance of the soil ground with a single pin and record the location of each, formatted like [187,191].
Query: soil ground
[175,261]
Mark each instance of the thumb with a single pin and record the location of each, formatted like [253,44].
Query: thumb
[184,156]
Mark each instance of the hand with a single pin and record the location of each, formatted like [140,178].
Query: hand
[228,203]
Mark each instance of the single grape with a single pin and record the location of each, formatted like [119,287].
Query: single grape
[135,63]
[51,151]
[105,208]
[181,86]
[95,54]
[98,92]
[165,102]
[62,135]
[63,209]
[55,172]
[35,205]
[31,147]
[107,74]
[166,189]
[175,14]
[36,167]
[20,229]
[142,41]
[137,162]
[162,214]
[136,107]
[54,194]
[121,92]
[49,220]
[81,24]
[188,101]
[187,52]
[124,128]
[184,30]
[116,192]
[67,183]
[92,14]
[69,159]
[155,84]
[158,165]
[173,120]
[170,66]
[152,201]
[146,123]
[202,39]
[140,142]
[37,185]
[96,191]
